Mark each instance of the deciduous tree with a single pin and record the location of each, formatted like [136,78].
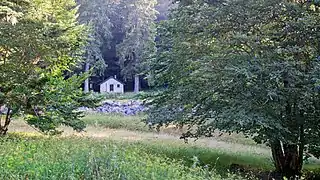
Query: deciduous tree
[244,66]
[96,14]
[139,42]
[45,41]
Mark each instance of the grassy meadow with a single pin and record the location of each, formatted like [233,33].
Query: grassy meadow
[123,147]
[117,121]
[34,157]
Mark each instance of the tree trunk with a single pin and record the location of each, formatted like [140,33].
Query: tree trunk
[136,83]
[4,128]
[277,155]
[287,159]
[86,82]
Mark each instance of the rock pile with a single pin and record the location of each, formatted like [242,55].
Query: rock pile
[115,107]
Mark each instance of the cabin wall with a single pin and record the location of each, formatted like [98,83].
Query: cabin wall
[117,86]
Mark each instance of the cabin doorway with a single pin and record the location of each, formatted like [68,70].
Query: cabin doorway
[111,87]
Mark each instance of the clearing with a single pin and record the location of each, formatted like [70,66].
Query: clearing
[133,138]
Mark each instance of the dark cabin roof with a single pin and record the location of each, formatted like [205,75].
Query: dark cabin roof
[112,78]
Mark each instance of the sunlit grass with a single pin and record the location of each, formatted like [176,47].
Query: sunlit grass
[117,121]
[135,123]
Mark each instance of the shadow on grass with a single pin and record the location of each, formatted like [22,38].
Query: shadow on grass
[224,162]
[218,160]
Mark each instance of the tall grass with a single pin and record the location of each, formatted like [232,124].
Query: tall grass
[117,121]
[75,158]
[218,159]
[212,157]
[83,158]
[135,123]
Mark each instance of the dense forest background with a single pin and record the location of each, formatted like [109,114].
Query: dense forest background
[116,33]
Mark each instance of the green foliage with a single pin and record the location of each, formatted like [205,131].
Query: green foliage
[71,158]
[253,68]
[139,27]
[132,19]
[96,14]
[34,54]
[57,104]
[11,10]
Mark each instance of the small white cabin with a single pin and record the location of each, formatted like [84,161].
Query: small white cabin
[112,85]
